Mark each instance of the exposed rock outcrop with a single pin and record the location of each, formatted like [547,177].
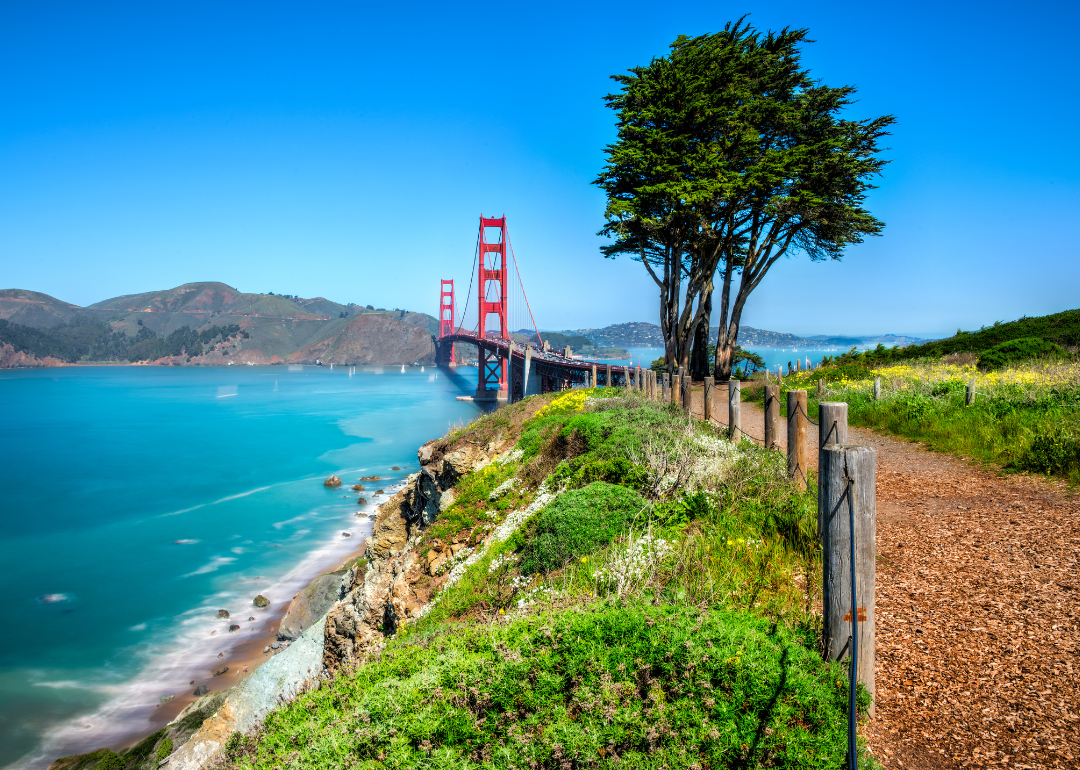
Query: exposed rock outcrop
[261,601]
[394,585]
[313,602]
[19,359]
[247,704]
[333,481]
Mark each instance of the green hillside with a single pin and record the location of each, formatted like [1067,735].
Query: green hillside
[161,323]
[1013,339]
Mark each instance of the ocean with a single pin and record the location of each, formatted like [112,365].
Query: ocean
[138,501]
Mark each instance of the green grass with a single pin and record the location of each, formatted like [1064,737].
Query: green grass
[597,686]
[1017,431]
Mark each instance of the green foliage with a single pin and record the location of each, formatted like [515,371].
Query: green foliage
[1015,430]
[164,749]
[1018,350]
[110,760]
[1062,329]
[601,686]
[84,337]
[729,154]
[578,523]
[579,471]
[1053,451]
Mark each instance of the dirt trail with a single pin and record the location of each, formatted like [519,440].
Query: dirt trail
[978,602]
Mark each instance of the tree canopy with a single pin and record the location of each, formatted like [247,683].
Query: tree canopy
[730,156]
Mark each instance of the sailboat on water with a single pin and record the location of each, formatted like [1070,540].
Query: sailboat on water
[403,368]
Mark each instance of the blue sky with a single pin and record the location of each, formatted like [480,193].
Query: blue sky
[346,151]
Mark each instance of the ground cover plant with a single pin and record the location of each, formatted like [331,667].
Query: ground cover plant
[1024,417]
[602,685]
[634,590]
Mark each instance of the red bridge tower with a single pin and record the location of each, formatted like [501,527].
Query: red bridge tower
[493,277]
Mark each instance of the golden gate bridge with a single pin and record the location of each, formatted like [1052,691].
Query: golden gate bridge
[509,361]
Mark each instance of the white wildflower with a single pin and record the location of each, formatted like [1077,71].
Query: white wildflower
[504,488]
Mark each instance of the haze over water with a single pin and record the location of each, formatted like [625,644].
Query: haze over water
[137,501]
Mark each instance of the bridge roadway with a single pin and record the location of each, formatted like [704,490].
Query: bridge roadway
[556,372]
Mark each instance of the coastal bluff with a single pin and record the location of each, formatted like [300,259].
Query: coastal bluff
[339,621]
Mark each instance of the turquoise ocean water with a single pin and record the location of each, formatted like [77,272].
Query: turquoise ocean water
[138,501]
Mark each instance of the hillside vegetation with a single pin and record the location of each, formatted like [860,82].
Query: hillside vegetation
[995,346]
[183,321]
[636,591]
[1024,417]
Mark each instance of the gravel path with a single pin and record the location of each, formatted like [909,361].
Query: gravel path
[978,606]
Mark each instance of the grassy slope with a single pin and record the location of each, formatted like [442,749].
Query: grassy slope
[1036,430]
[695,647]
[1060,328]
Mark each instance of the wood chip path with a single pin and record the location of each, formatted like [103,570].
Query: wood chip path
[978,602]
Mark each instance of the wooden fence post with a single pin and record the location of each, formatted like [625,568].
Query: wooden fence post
[734,402]
[796,437]
[821,387]
[708,398]
[652,385]
[772,416]
[685,395]
[664,386]
[594,375]
[969,393]
[832,423]
[674,388]
[607,377]
[848,476]
[877,388]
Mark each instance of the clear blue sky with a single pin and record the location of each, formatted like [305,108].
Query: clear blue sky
[347,149]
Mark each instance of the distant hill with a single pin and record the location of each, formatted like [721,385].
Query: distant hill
[639,334]
[1060,328]
[174,324]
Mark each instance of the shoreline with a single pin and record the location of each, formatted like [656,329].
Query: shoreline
[248,652]
[132,720]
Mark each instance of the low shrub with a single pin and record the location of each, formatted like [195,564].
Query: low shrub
[577,524]
[1017,351]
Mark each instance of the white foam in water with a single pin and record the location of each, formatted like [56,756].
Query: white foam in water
[213,565]
[185,651]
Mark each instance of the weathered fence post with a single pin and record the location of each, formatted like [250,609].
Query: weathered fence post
[767,376]
[675,386]
[734,404]
[969,393]
[877,388]
[685,396]
[665,387]
[708,395]
[594,375]
[832,423]
[652,385]
[607,377]
[772,416]
[796,437]
[847,479]
[821,387]
[626,377]
[639,384]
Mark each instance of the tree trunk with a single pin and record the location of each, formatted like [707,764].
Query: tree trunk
[699,358]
